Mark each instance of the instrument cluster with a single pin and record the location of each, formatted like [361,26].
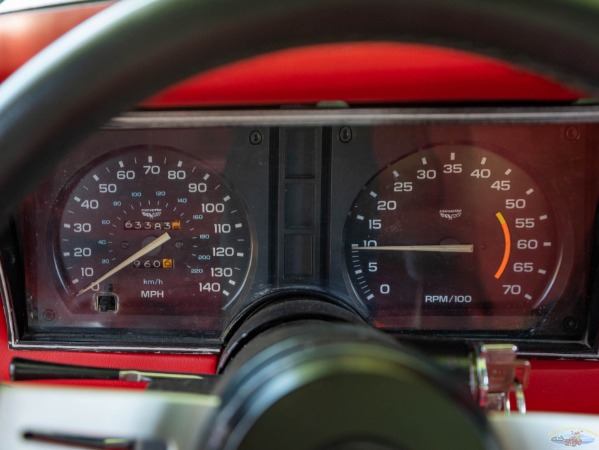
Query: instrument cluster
[164,228]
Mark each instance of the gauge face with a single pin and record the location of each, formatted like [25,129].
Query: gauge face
[452,230]
[151,230]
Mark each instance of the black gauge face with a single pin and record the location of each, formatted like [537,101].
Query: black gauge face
[151,230]
[452,231]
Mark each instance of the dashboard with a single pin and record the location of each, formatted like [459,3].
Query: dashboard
[164,230]
[165,236]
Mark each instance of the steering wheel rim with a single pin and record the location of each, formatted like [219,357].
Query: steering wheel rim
[53,101]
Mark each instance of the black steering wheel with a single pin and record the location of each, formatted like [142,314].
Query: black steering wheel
[136,47]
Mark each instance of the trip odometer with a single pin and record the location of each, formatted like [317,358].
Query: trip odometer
[452,237]
[151,231]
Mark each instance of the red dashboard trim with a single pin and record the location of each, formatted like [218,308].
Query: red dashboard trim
[362,73]
[564,386]
[23,34]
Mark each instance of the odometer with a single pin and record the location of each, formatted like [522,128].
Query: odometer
[452,231]
[150,230]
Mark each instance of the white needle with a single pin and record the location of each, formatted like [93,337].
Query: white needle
[145,250]
[457,248]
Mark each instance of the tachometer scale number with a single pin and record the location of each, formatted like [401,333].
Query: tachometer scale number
[451,230]
[154,229]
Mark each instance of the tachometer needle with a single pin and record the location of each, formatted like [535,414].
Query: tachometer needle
[457,248]
[145,250]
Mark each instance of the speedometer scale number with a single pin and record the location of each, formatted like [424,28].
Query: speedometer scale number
[151,230]
[452,230]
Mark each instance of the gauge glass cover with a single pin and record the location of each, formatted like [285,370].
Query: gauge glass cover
[111,216]
[452,231]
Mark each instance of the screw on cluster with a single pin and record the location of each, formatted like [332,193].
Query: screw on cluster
[345,134]
[255,138]
[572,133]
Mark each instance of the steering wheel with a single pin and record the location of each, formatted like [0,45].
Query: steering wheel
[137,47]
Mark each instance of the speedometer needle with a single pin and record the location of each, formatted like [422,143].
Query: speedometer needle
[143,251]
[457,248]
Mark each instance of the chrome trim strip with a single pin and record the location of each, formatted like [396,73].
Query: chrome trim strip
[25,345]
[9,313]
[362,116]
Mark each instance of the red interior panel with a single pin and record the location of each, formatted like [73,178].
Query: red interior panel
[362,73]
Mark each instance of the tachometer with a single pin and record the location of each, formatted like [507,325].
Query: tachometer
[452,230]
[151,230]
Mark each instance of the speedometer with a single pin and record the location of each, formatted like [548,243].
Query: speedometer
[452,230]
[150,230]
